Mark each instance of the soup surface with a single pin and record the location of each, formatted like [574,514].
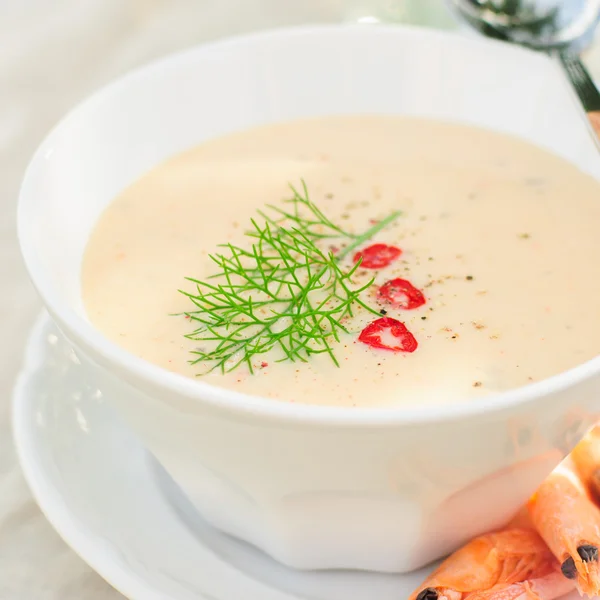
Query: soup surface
[494,287]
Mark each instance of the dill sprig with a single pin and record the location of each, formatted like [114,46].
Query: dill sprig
[283,292]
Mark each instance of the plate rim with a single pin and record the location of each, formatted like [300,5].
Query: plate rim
[72,531]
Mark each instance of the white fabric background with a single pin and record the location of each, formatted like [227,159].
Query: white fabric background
[53,53]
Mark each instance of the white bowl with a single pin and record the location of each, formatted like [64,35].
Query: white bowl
[315,487]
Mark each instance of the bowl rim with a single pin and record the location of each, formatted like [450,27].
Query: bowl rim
[235,402]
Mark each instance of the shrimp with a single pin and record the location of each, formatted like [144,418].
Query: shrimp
[512,564]
[569,522]
[586,458]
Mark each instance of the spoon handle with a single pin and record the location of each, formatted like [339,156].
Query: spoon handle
[584,87]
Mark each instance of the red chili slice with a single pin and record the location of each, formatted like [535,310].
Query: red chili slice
[371,335]
[401,293]
[377,256]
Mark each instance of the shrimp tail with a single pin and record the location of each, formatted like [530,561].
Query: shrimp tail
[569,522]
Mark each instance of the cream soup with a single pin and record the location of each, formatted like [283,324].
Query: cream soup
[499,243]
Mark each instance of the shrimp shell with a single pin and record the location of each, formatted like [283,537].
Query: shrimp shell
[569,522]
[505,565]
[586,458]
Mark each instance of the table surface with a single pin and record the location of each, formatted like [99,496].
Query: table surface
[55,53]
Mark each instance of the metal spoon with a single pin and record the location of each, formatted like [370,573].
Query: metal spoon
[560,33]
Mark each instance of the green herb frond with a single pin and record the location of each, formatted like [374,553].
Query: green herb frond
[284,292]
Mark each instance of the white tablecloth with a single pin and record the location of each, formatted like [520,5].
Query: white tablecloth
[52,54]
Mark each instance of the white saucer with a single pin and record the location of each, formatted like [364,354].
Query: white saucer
[115,506]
